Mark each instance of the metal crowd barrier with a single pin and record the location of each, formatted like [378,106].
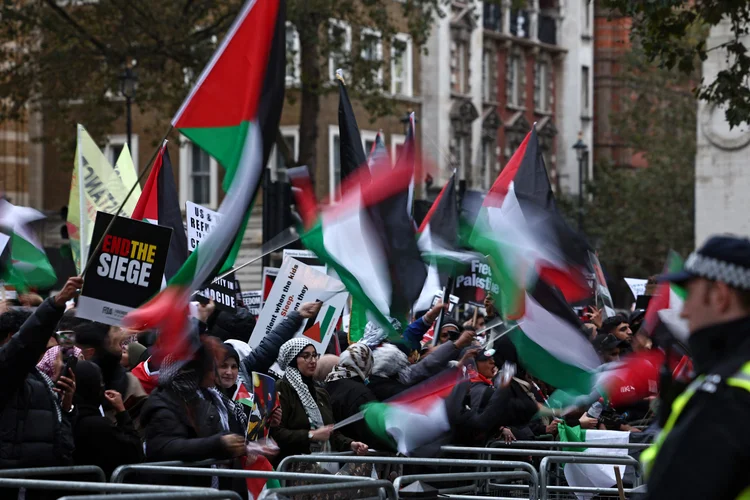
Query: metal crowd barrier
[45,484]
[544,488]
[565,444]
[437,462]
[461,476]
[189,495]
[119,475]
[53,471]
[382,484]
[521,452]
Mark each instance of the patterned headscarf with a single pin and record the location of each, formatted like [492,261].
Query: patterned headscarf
[388,360]
[356,361]
[374,334]
[288,352]
[47,364]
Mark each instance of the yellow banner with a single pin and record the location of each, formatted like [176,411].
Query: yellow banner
[104,188]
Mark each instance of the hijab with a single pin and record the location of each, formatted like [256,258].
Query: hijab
[388,360]
[89,384]
[374,334]
[356,361]
[288,362]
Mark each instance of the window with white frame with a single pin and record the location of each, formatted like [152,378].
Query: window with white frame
[368,140]
[371,52]
[401,65]
[278,164]
[198,176]
[397,145]
[541,86]
[115,145]
[334,163]
[340,40]
[514,80]
[292,72]
[585,92]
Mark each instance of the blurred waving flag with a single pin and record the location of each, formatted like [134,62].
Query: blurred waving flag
[666,305]
[351,151]
[367,238]
[521,201]
[23,262]
[233,114]
[160,204]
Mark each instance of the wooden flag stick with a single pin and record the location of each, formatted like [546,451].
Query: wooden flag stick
[620,488]
[119,210]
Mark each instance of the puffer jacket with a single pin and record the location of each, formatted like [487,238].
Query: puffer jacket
[174,432]
[34,431]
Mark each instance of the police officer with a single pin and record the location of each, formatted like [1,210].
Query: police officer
[703,451]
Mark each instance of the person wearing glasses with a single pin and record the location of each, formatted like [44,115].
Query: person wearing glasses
[307,418]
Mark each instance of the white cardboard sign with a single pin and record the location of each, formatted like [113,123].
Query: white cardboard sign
[200,222]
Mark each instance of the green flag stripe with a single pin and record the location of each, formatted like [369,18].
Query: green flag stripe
[223,143]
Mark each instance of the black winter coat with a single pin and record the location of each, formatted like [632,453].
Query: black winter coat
[34,431]
[174,432]
[265,354]
[347,398]
[99,442]
[709,433]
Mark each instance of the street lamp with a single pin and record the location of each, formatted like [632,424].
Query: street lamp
[582,153]
[128,85]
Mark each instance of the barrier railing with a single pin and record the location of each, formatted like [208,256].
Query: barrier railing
[565,444]
[437,462]
[119,475]
[522,452]
[54,471]
[545,489]
[188,495]
[390,491]
[45,484]
[464,476]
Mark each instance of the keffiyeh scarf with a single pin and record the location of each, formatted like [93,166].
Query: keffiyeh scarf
[47,364]
[374,334]
[356,361]
[288,352]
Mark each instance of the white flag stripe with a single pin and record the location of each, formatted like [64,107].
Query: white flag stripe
[559,338]
[348,238]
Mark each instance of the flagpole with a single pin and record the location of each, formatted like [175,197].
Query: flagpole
[149,164]
[82,207]
[278,242]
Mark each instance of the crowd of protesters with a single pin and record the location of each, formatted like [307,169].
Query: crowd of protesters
[84,393]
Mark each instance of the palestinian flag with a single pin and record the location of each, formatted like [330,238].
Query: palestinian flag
[351,152]
[368,239]
[593,475]
[257,485]
[522,196]
[233,114]
[160,204]
[550,343]
[666,305]
[419,416]
[23,262]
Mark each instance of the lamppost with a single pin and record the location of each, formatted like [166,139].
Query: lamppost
[128,85]
[582,153]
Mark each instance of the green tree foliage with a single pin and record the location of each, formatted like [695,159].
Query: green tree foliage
[66,57]
[635,215]
[667,28]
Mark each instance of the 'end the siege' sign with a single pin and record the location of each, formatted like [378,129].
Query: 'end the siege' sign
[126,271]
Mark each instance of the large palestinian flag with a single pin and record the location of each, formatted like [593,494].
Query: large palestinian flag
[367,238]
[521,201]
[233,114]
[160,204]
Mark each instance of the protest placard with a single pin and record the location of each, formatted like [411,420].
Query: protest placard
[127,270]
[265,400]
[637,286]
[306,257]
[269,278]
[473,287]
[252,301]
[200,222]
[296,284]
